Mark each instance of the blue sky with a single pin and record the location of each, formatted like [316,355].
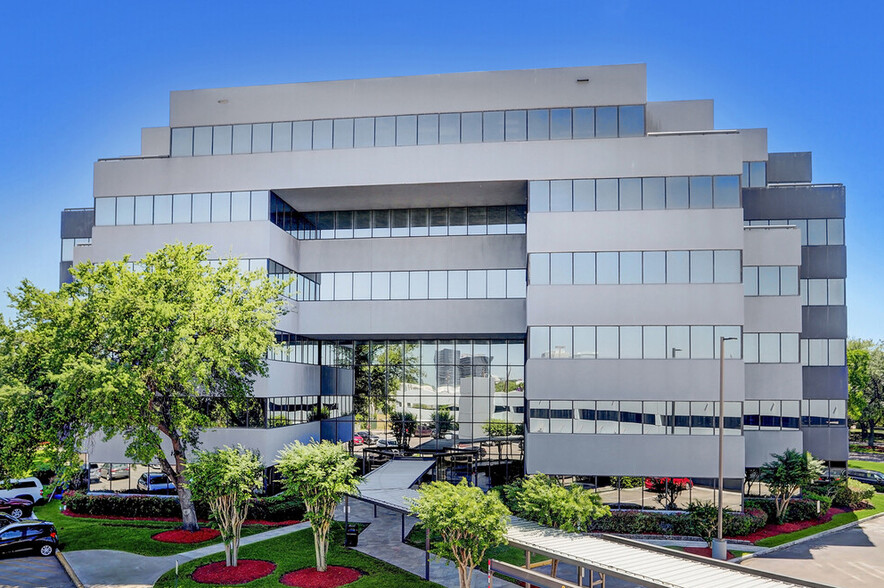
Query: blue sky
[80,79]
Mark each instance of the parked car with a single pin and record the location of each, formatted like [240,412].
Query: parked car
[874,478]
[368,437]
[423,431]
[94,472]
[114,471]
[158,483]
[387,444]
[17,507]
[357,440]
[25,488]
[27,535]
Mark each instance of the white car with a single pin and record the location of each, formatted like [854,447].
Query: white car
[28,488]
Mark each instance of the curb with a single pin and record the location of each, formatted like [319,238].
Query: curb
[844,527]
[67,568]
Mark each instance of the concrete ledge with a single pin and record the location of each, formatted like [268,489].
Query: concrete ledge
[68,569]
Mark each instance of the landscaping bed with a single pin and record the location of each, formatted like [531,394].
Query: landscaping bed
[182,536]
[247,522]
[294,552]
[246,570]
[332,577]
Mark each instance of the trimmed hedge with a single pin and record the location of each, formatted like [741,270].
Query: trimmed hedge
[852,494]
[274,508]
[634,522]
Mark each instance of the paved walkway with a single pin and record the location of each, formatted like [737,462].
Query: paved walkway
[381,539]
[103,568]
[853,558]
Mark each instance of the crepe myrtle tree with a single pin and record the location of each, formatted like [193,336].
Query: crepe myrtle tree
[468,520]
[226,479]
[320,474]
[139,352]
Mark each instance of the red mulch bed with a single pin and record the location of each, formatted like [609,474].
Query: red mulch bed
[182,536]
[172,519]
[771,529]
[705,551]
[245,571]
[333,577]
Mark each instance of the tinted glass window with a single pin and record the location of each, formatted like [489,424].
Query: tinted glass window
[560,123]
[606,121]
[428,129]
[654,342]
[516,125]
[727,267]
[584,343]
[607,342]
[261,137]
[143,210]
[343,133]
[584,268]
[538,196]
[632,121]
[676,192]
[363,132]
[242,138]
[607,268]
[162,209]
[385,131]
[560,195]
[282,136]
[768,281]
[221,207]
[406,130]
[222,140]
[538,264]
[449,128]
[654,267]
[584,195]
[835,231]
[105,211]
[125,210]
[701,192]
[202,141]
[538,125]
[653,193]
[302,135]
[182,142]
[584,123]
[181,208]
[322,134]
[630,194]
[560,268]
[606,194]
[701,267]
[471,127]
[631,267]
[677,267]
[727,191]
[492,126]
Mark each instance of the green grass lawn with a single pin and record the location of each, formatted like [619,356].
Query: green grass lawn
[877,466]
[76,533]
[294,552]
[877,502]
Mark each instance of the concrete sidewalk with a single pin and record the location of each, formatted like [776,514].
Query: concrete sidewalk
[381,540]
[104,568]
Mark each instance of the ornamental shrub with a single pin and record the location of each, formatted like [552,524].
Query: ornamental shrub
[635,522]
[800,509]
[851,493]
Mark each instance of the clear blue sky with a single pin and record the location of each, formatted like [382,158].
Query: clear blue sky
[79,80]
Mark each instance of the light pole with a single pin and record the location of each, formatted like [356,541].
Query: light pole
[719,546]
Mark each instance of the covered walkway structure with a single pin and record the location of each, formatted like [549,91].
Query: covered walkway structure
[597,557]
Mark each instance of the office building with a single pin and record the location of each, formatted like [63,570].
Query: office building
[537,264]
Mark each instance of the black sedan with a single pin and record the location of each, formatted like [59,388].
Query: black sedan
[17,507]
[28,535]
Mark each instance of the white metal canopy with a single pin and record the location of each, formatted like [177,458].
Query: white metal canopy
[643,564]
[389,485]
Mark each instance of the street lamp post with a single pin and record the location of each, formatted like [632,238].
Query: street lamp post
[719,546]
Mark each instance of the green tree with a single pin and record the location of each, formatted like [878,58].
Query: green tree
[404,424]
[865,369]
[543,500]
[140,354]
[786,473]
[380,371]
[468,520]
[667,490]
[704,519]
[320,474]
[442,422]
[226,479]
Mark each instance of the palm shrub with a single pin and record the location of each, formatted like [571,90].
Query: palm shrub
[786,473]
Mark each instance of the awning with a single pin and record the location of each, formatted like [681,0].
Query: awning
[390,485]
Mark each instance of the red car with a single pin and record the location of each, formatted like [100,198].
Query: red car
[16,507]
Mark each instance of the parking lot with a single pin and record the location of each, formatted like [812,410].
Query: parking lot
[33,572]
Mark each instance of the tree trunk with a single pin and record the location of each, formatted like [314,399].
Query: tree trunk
[872,436]
[176,475]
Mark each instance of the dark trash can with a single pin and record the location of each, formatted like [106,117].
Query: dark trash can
[352,536]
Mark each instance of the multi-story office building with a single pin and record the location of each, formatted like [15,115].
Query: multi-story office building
[538,264]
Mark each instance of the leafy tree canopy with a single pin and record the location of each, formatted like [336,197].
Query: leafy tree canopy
[786,473]
[139,353]
[543,500]
[226,479]
[865,369]
[320,474]
[468,520]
